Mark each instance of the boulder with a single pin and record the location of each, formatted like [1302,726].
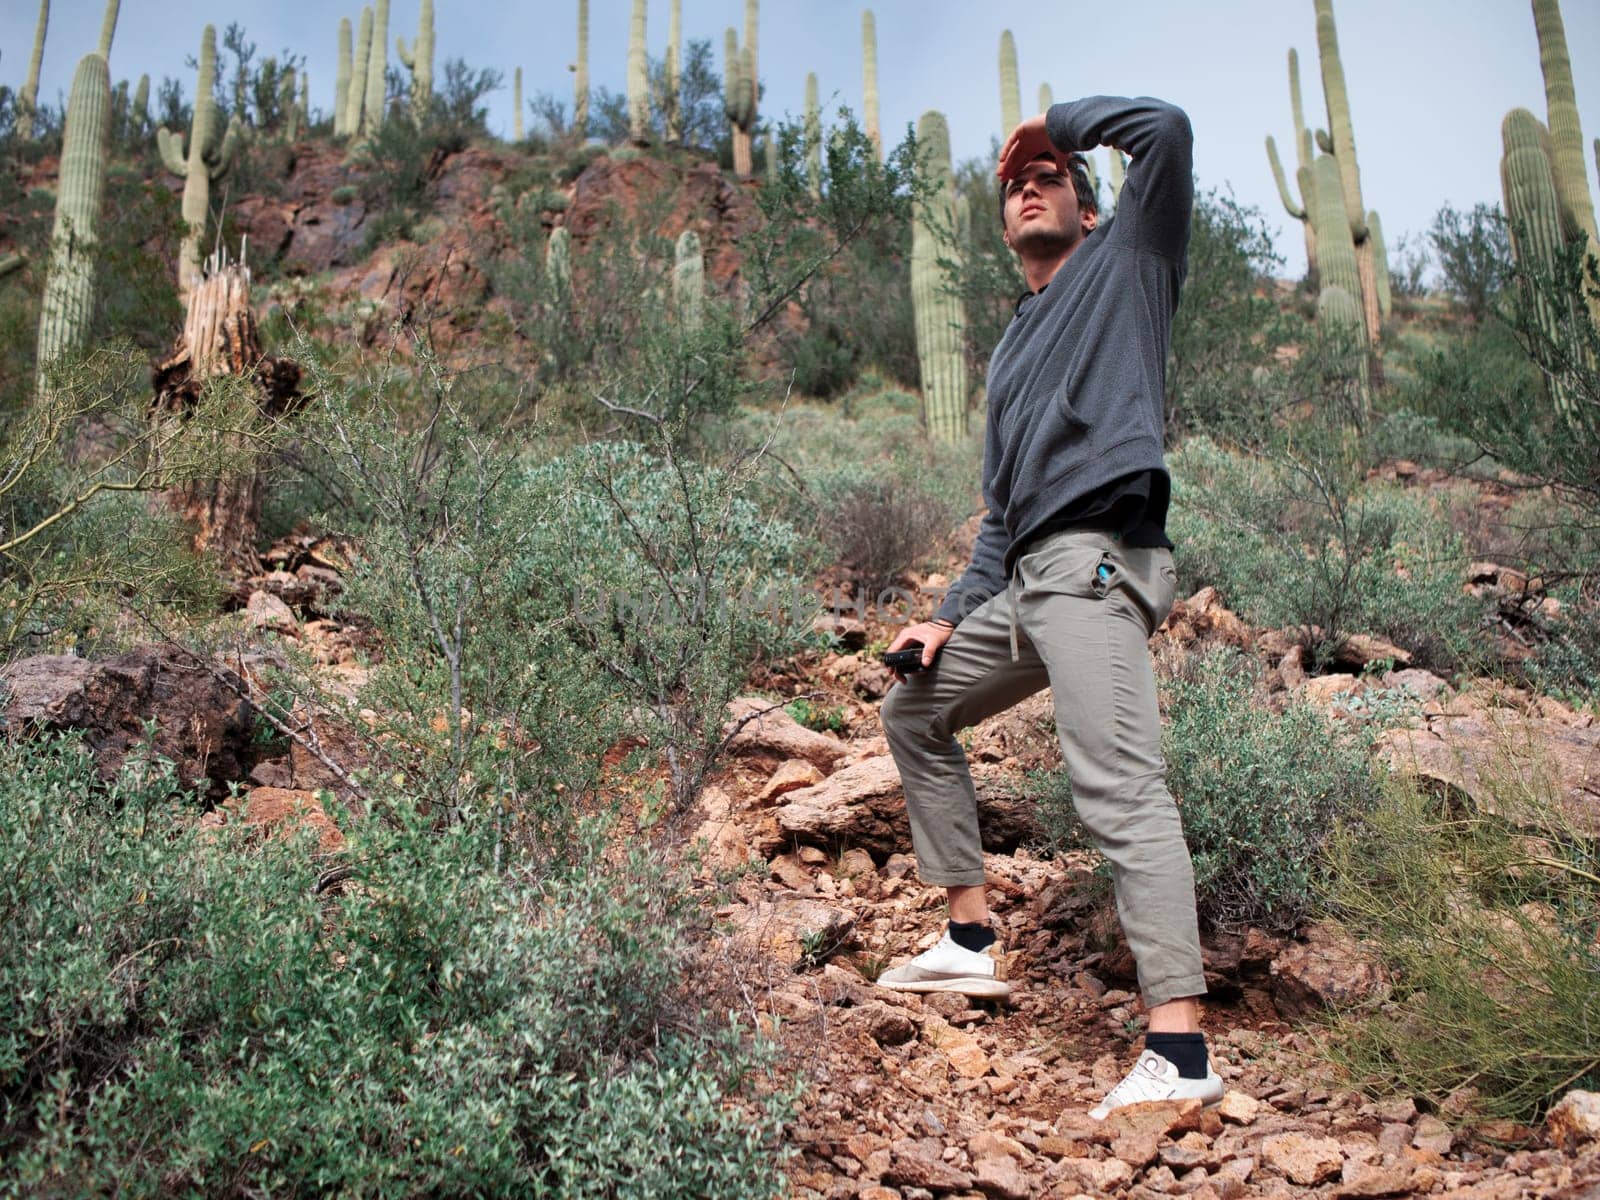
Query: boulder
[202,724]
[791,776]
[863,805]
[776,737]
[1574,1120]
[1328,970]
[266,611]
[793,930]
[1490,754]
[916,1168]
[1203,617]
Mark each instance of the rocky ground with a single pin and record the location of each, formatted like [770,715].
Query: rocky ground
[808,878]
[917,1097]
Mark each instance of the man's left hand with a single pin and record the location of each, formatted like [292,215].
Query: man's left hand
[1027,141]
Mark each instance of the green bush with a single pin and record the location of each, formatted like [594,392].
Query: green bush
[1488,925]
[182,1015]
[1258,791]
[1298,540]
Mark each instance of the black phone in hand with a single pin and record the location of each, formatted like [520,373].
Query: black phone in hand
[905,661]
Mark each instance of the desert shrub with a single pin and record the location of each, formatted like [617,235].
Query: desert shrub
[1488,925]
[1297,539]
[1221,370]
[1474,251]
[436,1027]
[882,528]
[1258,791]
[1567,662]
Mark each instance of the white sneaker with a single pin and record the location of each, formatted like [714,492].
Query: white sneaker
[1156,1078]
[948,967]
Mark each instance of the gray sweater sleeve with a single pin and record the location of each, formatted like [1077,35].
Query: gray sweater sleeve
[1158,192]
[984,577]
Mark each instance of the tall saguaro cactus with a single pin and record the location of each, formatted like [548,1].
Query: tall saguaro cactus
[936,300]
[1298,209]
[1342,135]
[739,98]
[669,73]
[1533,204]
[689,280]
[1566,131]
[204,164]
[638,77]
[1010,95]
[341,79]
[813,132]
[580,75]
[86,146]
[28,97]
[377,69]
[419,61]
[357,98]
[517,130]
[869,79]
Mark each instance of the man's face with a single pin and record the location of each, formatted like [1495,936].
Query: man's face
[1042,215]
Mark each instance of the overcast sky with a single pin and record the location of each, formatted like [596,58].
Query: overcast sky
[1429,80]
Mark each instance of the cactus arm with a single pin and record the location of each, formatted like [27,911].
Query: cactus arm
[1296,211]
[1010,95]
[28,97]
[172,156]
[1566,131]
[108,27]
[1302,142]
[221,162]
[752,42]
[407,60]
[1046,97]
[356,100]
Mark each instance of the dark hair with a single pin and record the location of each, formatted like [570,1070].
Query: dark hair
[1078,169]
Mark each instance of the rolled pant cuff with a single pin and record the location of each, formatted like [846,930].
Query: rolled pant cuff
[1173,989]
[972,878]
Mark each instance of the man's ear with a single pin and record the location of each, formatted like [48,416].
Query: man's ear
[1091,218]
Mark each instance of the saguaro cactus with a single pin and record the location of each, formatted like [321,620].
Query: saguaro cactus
[558,265]
[86,145]
[869,79]
[1342,134]
[580,75]
[1046,97]
[1302,145]
[287,102]
[1566,132]
[940,317]
[669,73]
[739,98]
[1533,205]
[689,280]
[638,78]
[517,131]
[377,69]
[813,132]
[28,97]
[357,98]
[341,79]
[1010,96]
[204,163]
[419,61]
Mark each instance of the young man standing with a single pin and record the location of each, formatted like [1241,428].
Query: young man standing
[1072,570]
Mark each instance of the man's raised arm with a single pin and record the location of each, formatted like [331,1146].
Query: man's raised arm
[1158,192]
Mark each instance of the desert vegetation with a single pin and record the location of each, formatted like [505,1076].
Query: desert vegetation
[442,578]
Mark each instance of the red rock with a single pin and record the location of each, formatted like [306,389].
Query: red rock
[277,810]
[1328,970]
[1302,1159]
[1574,1120]
[912,1168]
[794,774]
[776,736]
[1001,1178]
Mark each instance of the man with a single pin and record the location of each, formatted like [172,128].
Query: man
[1072,570]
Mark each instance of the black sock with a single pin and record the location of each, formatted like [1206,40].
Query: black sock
[972,935]
[1186,1051]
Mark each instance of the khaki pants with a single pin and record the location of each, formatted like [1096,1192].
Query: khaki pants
[1078,612]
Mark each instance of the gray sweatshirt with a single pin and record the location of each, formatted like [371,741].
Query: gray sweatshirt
[1076,385]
